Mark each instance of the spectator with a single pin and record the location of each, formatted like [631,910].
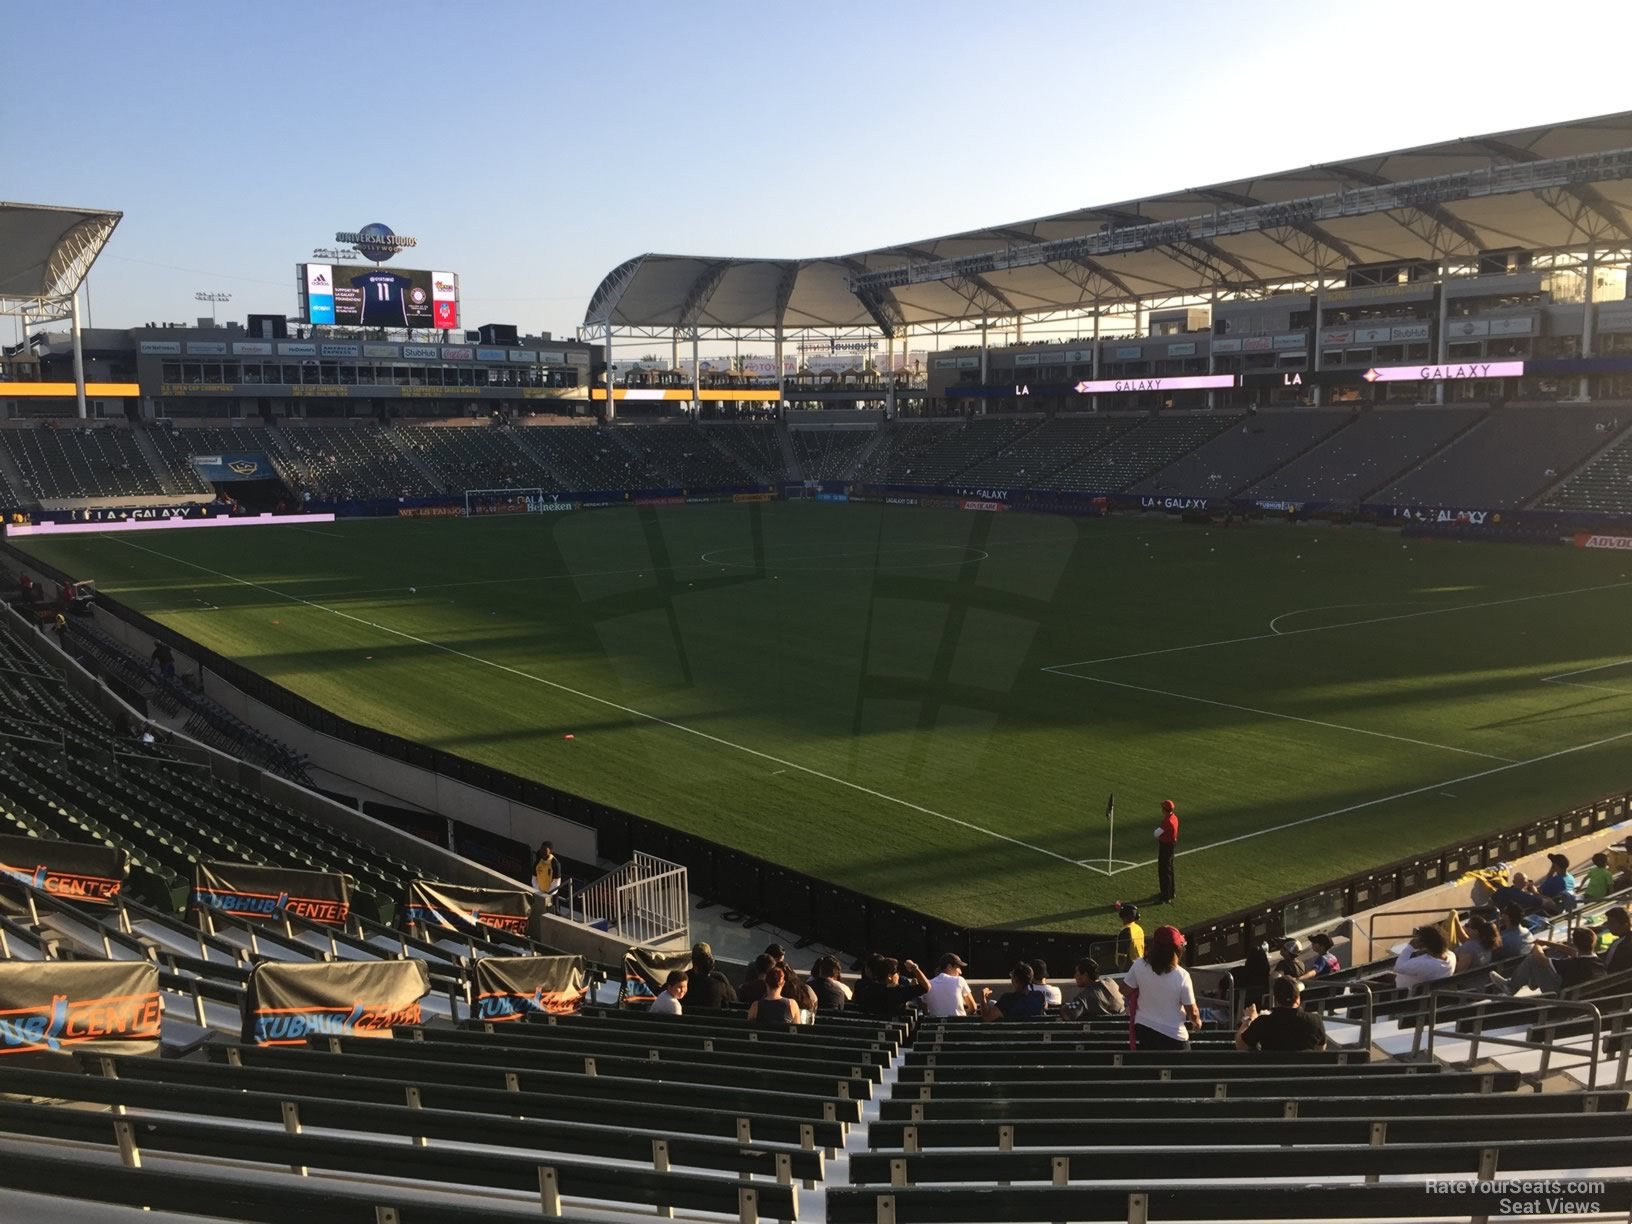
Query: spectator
[1290,965]
[1039,983]
[831,992]
[1480,947]
[796,988]
[546,868]
[1252,983]
[1130,940]
[1619,957]
[883,993]
[1515,934]
[948,994]
[771,1010]
[59,626]
[1599,880]
[1020,1002]
[708,988]
[668,999]
[1286,1028]
[1519,892]
[1558,885]
[1163,999]
[1575,962]
[1425,959]
[1321,962]
[164,661]
[753,986]
[1095,996]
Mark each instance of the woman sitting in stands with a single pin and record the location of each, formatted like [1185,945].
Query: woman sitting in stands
[771,1010]
[1161,998]
[1427,958]
[1480,947]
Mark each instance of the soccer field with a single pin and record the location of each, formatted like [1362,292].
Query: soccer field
[932,706]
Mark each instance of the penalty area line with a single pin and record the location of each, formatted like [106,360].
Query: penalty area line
[611,705]
[1420,790]
[1370,620]
[1313,722]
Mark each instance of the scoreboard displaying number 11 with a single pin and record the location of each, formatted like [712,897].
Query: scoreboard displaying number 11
[365,295]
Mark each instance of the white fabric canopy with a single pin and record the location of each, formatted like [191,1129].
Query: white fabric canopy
[46,251]
[683,291]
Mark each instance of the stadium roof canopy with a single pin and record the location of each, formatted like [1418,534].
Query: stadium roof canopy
[45,253]
[1555,187]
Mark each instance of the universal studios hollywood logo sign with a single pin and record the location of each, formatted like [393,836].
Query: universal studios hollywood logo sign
[376,241]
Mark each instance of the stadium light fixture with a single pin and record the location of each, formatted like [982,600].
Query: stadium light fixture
[212,298]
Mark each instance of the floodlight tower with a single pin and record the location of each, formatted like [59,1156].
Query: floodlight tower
[212,298]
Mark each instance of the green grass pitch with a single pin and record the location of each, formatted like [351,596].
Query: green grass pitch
[932,706]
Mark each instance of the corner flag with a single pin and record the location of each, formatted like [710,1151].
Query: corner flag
[1110,807]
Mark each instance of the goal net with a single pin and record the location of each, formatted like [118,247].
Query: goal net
[512,501]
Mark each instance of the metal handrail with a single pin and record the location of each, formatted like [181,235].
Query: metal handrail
[1371,922]
[1547,1048]
[1339,997]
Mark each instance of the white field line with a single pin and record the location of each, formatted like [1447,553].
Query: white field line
[1313,722]
[613,705]
[1334,607]
[1582,671]
[1355,807]
[1371,620]
[1587,671]
[704,564]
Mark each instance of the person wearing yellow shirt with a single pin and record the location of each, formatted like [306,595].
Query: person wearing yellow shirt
[547,871]
[1130,941]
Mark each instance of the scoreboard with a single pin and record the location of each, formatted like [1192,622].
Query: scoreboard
[366,295]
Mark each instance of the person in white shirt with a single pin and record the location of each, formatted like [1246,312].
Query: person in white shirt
[668,999]
[1040,983]
[1425,959]
[1162,999]
[948,993]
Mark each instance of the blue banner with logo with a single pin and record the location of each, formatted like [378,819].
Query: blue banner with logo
[238,465]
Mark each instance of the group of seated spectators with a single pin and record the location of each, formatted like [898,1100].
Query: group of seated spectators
[1156,994]
[1509,909]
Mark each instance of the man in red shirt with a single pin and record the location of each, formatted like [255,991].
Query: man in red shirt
[1167,844]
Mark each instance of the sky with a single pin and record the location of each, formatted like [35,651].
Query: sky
[532,147]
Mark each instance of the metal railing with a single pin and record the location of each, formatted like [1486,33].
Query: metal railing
[1512,1006]
[646,901]
[1443,911]
[1341,998]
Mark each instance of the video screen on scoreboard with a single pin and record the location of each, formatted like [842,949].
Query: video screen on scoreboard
[362,295]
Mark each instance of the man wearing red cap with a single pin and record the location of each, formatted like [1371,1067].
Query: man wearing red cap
[1167,844]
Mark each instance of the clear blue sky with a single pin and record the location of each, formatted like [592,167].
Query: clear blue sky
[531,147]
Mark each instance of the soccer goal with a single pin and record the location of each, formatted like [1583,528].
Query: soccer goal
[512,501]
